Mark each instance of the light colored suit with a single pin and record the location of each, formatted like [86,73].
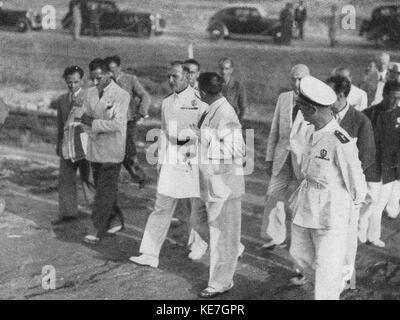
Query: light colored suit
[107,136]
[285,169]
[222,187]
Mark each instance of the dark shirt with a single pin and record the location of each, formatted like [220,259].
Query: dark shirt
[235,92]
[300,15]
[140,99]
[359,126]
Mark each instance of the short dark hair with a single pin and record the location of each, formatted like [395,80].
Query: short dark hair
[71,70]
[391,86]
[99,63]
[340,84]
[116,59]
[179,63]
[193,61]
[210,82]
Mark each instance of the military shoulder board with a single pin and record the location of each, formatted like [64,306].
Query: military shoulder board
[342,138]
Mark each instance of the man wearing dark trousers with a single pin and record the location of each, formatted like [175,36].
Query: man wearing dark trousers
[69,106]
[138,110]
[300,16]
[106,108]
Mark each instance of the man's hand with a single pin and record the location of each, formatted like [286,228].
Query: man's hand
[269,168]
[87,120]
[196,130]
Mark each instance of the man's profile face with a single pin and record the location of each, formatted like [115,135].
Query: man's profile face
[382,62]
[177,78]
[74,82]
[306,109]
[100,78]
[115,69]
[295,83]
[336,105]
[394,99]
[226,70]
[193,74]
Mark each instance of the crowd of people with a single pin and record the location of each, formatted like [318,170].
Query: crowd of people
[332,156]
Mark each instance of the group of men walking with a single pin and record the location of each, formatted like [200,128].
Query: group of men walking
[344,168]
[199,157]
[334,166]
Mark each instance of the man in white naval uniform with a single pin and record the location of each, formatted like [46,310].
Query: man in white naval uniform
[281,164]
[333,187]
[179,175]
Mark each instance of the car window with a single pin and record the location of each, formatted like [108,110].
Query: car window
[229,12]
[386,12]
[254,13]
[242,12]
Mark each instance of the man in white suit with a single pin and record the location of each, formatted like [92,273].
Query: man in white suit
[281,166]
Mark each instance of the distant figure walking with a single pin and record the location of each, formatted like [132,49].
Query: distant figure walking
[333,26]
[286,18]
[94,19]
[300,17]
[76,19]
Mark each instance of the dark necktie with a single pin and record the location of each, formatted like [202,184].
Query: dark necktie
[295,110]
[203,116]
[101,93]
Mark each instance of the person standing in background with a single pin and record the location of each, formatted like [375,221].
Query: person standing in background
[382,65]
[333,26]
[280,161]
[94,18]
[300,17]
[233,90]
[76,19]
[357,97]
[138,110]
[286,18]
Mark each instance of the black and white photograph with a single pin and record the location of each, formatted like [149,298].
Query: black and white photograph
[201,155]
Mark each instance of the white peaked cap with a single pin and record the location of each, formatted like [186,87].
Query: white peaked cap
[316,92]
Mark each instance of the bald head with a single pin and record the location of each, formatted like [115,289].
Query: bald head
[343,72]
[298,72]
[382,61]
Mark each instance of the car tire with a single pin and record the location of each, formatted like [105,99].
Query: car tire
[22,25]
[144,30]
[216,32]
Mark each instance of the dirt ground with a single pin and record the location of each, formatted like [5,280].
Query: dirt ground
[28,182]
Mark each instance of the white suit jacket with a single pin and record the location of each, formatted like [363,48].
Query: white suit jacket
[278,146]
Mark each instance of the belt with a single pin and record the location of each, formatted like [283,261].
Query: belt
[314,183]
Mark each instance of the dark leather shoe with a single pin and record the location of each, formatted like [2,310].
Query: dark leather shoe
[62,220]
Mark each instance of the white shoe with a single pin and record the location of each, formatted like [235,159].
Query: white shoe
[241,250]
[145,260]
[378,243]
[362,237]
[198,249]
[115,229]
[2,206]
[299,280]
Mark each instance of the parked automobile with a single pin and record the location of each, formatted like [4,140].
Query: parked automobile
[384,25]
[244,19]
[142,24]
[20,20]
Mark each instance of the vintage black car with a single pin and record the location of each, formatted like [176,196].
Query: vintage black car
[142,24]
[20,20]
[244,20]
[384,25]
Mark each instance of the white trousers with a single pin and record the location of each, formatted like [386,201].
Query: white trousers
[279,190]
[371,213]
[320,255]
[393,205]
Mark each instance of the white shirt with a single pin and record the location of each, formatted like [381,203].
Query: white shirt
[379,89]
[358,98]
[341,114]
